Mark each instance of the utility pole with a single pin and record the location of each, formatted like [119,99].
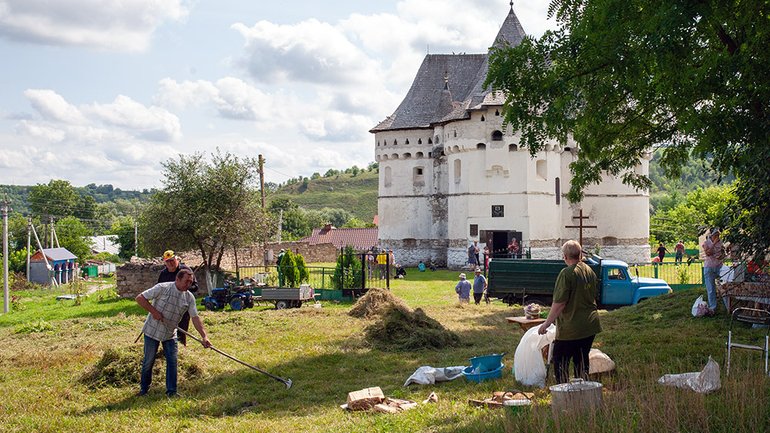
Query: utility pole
[280,224]
[52,244]
[5,255]
[262,178]
[136,237]
[29,242]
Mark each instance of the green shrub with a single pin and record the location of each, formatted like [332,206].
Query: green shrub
[34,327]
[348,272]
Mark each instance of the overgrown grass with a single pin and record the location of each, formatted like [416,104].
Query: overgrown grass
[325,353]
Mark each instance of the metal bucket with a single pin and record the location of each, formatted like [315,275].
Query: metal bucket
[577,395]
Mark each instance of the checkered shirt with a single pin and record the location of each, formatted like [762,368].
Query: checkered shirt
[172,303]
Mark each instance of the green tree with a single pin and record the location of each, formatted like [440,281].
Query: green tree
[123,229]
[348,271]
[623,77]
[289,269]
[57,198]
[74,236]
[208,206]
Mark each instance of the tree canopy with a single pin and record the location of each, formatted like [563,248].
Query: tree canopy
[624,77]
[205,206]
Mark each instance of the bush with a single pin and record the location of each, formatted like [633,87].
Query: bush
[293,269]
[348,272]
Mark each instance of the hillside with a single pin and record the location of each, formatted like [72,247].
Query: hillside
[356,194]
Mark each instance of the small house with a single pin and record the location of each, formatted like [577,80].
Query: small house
[61,266]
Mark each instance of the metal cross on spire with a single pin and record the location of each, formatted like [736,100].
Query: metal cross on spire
[511,5]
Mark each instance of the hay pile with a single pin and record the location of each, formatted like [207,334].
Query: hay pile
[376,302]
[400,329]
[123,367]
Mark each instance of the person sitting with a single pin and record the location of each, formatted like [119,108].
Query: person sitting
[421,266]
[400,271]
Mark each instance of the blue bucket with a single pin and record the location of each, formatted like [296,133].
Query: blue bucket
[487,363]
[478,376]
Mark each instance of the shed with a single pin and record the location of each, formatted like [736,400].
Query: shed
[62,266]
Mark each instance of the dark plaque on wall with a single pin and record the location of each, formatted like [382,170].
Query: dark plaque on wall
[474,230]
[498,211]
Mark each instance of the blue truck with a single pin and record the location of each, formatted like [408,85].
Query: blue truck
[517,281]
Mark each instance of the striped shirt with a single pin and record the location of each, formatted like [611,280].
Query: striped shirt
[172,303]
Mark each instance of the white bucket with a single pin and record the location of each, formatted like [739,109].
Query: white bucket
[578,395]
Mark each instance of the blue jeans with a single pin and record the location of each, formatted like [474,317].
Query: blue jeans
[170,352]
[710,274]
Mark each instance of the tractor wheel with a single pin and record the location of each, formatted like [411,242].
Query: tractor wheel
[210,306]
[236,304]
[280,305]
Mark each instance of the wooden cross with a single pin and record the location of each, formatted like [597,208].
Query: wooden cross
[580,225]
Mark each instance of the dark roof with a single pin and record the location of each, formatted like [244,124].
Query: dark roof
[359,239]
[448,85]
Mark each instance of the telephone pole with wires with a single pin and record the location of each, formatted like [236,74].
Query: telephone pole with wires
[6,299]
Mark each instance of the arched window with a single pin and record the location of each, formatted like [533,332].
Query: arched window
[395,141]
[482,118]
[387,178]
[407,141]
[497,112]
[497,136]
[481,146]
[455,133]
[385,142]
[407,155]
[418,155]
[419,141]
[394,156]
[557,191]
[437,139]
[430,141]
[512,148]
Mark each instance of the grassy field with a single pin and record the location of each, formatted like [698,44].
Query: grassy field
[49,344]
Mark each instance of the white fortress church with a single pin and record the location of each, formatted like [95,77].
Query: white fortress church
[451,174]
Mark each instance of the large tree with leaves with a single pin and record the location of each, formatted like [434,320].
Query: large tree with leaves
[623,77]
[208,206]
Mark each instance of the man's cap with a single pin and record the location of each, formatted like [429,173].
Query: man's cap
[169,254]
[462,276]
[478,270]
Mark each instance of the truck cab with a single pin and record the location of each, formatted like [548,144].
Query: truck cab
[618,287]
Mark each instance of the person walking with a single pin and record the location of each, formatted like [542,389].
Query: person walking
[575,313]
[170,301]
[679,251]
[472,254]
[715,255]
[463,290]
[662,252]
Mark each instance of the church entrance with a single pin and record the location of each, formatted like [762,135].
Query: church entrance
[499,241]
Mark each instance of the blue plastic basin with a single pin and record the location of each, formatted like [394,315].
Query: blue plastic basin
[477,376]
[488,362]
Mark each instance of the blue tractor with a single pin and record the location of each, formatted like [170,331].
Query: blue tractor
[238,297]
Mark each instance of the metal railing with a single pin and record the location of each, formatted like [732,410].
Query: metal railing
[679,276]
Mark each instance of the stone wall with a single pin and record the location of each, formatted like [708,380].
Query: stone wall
[138,275]
[326,253]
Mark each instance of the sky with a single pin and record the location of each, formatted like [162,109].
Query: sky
[104,91]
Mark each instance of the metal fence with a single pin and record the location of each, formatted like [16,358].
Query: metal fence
[679,276]
[364,274]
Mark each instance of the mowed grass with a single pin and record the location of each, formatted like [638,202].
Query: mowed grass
[325,353]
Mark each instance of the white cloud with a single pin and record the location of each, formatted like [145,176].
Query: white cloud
[123,25]
[53,107]
[232,97]
[309,51]
[152,123]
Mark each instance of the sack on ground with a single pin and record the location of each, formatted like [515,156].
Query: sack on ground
[427,375]
[700,307]
[528,365]
[703,382]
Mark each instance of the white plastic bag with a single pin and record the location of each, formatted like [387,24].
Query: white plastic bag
[700,307]
[427,375]
[528,364]
[705,381]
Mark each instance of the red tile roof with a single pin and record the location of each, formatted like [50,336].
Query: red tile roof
[359,239]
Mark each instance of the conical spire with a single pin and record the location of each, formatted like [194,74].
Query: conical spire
[511,33]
